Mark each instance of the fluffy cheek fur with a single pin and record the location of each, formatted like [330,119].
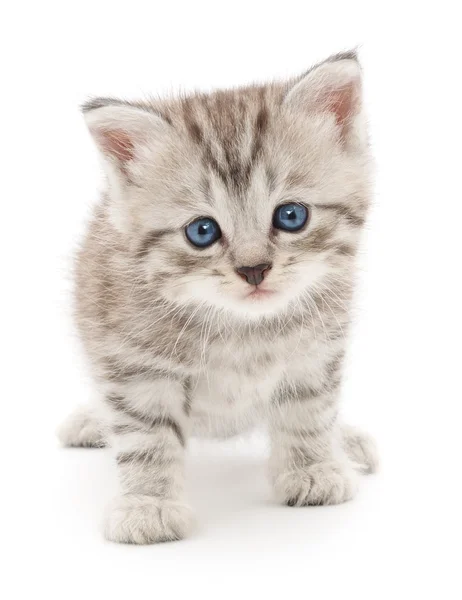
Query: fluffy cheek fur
[302,264]
[218,286]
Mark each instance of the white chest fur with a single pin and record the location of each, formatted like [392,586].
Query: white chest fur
[237,381]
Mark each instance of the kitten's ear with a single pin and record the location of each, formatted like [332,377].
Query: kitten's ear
[120,129]
[334,87]
[123,133]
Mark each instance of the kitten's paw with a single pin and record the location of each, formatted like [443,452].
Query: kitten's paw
[139,519]
[82,429]
[361,448]
[320,483]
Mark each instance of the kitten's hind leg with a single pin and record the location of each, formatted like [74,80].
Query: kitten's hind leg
[82,429]
[360,448]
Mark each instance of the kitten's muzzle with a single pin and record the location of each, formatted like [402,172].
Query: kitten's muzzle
[254,275]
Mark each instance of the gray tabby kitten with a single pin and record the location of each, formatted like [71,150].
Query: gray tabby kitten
[214,284]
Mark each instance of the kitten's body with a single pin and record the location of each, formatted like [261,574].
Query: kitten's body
[179,344]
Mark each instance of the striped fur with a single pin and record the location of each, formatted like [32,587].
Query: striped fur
[177,345]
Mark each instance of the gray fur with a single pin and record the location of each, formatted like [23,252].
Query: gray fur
[177,344]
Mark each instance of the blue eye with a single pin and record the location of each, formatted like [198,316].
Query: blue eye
[290,217]
[203,232]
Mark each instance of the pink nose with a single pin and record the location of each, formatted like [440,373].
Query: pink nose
[254,275]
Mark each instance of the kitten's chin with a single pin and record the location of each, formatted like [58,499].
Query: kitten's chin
[259,303]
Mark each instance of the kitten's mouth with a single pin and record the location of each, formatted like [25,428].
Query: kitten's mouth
[257,294]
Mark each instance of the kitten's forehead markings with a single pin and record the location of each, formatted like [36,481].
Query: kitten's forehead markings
[229,122]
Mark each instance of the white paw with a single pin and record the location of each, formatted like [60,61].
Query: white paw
[139,519]
[82,428]
[361,449]
[320,483]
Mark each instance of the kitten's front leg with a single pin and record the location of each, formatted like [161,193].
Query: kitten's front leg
[149,423]
[308,463]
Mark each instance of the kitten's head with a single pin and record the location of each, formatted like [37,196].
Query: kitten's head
[244,199]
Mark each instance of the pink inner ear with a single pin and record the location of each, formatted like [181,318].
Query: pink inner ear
[117,143]
[343,102]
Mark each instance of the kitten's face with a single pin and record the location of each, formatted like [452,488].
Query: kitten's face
[245,200]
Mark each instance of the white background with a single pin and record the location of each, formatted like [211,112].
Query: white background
[401,537]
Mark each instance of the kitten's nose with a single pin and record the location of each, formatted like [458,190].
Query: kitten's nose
[254,275]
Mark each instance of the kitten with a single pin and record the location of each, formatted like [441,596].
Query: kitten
[214,284]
